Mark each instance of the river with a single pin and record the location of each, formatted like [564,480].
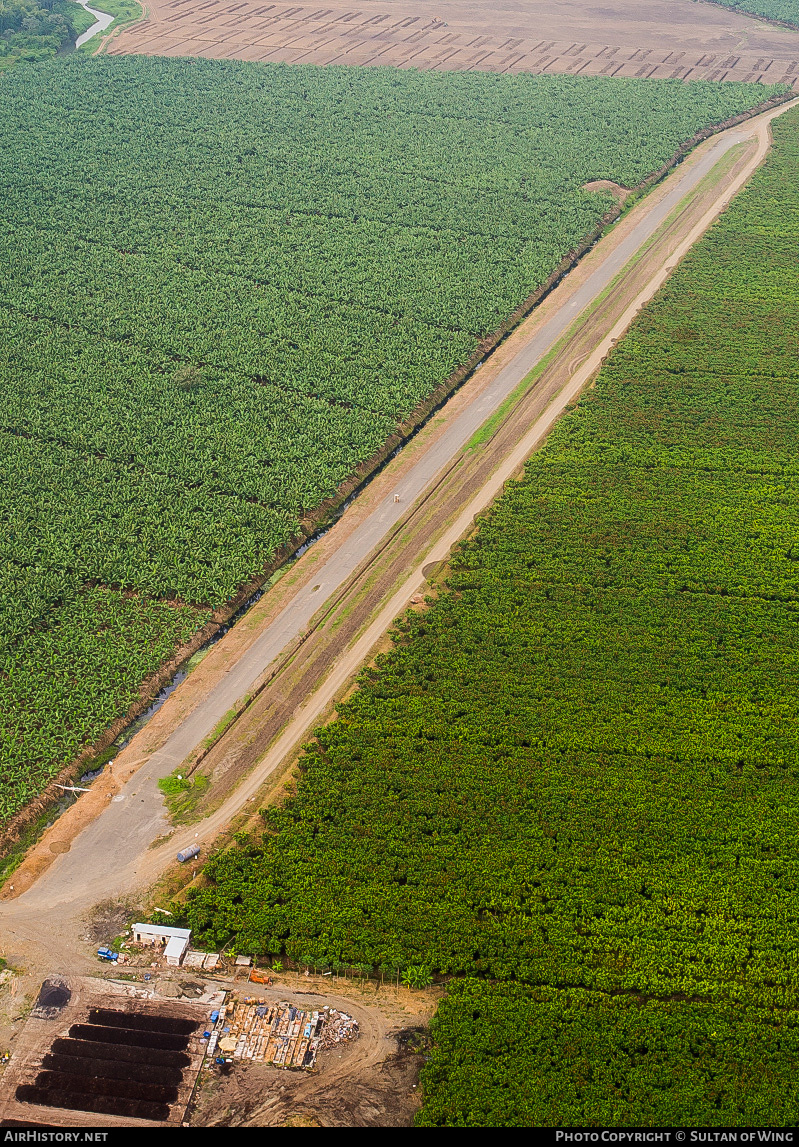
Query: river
[101,22]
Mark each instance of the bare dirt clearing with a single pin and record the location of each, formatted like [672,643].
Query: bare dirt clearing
[37,1087]
[371,1080]
[652,39]
[619,193]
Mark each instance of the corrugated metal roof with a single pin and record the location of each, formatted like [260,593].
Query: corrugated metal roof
[176,946]
[161,930]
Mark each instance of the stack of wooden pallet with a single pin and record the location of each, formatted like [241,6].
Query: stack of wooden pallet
[272,1033]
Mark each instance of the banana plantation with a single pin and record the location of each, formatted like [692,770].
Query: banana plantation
[571,788]
[223,286]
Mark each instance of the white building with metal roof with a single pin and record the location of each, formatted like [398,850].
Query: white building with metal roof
[176,939]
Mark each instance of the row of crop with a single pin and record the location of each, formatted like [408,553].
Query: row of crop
[606,1061]
[286,178]
[295,274]
[223,286]
[306,346]
[578,768]
[63,685]
[348,122]
[88,519]
[205,425]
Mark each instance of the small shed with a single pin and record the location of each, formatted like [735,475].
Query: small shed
[175,947]
[175,939]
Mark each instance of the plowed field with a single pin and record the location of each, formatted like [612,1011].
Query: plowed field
[681,39]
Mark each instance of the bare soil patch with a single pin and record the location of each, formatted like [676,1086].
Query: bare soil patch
[619,193]
[654,39]
[371,1081]
[386,1095]
[108,920]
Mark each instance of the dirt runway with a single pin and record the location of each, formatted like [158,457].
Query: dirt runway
[684,39]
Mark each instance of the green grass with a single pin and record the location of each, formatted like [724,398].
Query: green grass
[222,725]
[492,424]
[182,794]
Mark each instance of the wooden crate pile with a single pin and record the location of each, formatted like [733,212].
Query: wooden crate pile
[271,1033]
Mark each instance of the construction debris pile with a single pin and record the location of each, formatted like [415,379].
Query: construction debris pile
[338,1027]
[280,1034]
[272,1033]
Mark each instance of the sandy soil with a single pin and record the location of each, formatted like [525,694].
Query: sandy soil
[646,38]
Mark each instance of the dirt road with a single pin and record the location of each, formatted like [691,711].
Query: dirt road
[441,488]
[658,39]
